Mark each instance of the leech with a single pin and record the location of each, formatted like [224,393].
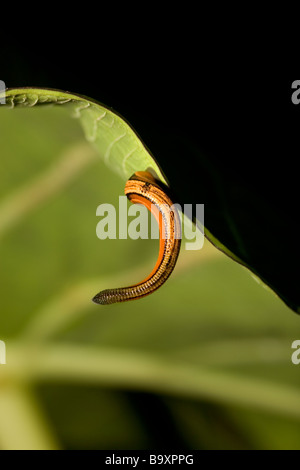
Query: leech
[142,188]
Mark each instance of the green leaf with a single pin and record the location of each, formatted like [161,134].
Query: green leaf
[117,143]
[238,221]
[209,352]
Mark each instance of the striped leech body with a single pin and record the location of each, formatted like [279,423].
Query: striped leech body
[142,188]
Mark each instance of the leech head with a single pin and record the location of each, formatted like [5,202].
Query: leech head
[143,176]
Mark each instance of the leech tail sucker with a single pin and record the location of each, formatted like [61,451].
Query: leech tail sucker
[142,188]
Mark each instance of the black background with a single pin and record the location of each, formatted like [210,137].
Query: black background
[236,108]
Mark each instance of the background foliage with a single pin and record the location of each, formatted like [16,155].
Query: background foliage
[203,363]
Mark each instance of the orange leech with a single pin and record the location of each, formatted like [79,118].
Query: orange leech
[143,189]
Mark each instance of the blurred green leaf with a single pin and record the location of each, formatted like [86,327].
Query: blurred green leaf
[209,355]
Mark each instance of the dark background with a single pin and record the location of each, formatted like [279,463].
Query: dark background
[236,108]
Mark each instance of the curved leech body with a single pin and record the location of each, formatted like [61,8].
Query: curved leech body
[142,188]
